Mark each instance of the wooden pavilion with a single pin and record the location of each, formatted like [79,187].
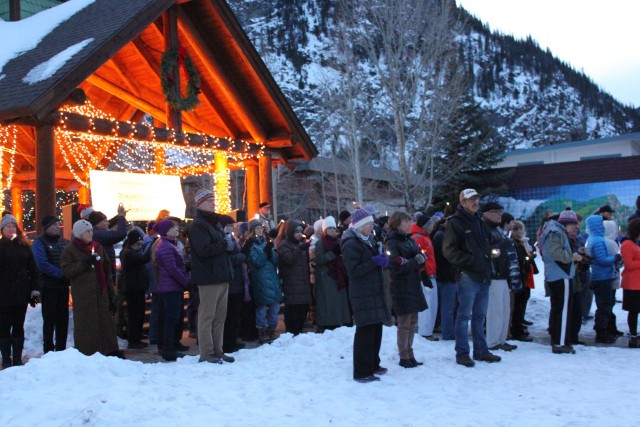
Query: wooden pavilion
[242,114]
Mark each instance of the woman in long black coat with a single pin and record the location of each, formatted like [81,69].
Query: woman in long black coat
[406,262]
[18,285]
[364,267]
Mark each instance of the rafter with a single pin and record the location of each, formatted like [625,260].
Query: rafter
[225,84]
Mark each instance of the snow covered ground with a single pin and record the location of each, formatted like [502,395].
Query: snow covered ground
[307,380]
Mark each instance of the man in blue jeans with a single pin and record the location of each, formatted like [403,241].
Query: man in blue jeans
[466,247]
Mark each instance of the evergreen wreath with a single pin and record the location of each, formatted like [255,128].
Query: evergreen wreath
[179,57]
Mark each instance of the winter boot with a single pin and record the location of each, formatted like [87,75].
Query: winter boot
[634,342]
[273,335]
[264,336]
[5,348]
[18,345]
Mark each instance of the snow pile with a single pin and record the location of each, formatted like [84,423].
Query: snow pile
[307,380]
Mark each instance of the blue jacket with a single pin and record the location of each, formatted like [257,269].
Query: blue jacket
[556,252]
[265,283]
[602,262]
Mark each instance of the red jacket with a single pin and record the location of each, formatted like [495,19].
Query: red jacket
[424,243]
[631,272]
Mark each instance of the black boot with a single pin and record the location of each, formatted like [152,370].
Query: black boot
[5,348]
[264,336]
[18,345]
[634,342]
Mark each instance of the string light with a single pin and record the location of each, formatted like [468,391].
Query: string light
[7,134]
[135,155]
[222,190]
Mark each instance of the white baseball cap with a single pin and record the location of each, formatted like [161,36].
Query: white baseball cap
[468,193]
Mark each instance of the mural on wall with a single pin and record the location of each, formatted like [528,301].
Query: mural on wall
[529,205]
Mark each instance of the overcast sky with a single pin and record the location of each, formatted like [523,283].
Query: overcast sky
[599,37]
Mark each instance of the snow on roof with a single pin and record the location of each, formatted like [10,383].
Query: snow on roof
[32,30]
[48,68]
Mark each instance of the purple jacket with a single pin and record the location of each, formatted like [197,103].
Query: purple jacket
[172,274]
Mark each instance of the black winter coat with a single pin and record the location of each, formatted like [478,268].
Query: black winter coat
[444,269]
[135,276]
[294,268]
[500,268]
[366,292]
[466,245]
[18,273]
[406,287]
[210,261]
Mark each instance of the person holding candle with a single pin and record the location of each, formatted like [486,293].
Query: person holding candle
[407,262]
[84,261]
[18,286]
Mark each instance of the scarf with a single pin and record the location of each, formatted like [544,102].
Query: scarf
[336,267]
[87,247]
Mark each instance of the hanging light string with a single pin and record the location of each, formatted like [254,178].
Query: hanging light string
[135,155]
[8,144]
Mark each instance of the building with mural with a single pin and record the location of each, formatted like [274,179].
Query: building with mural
[582,175]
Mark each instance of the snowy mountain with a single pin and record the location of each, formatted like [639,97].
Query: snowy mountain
[529,97]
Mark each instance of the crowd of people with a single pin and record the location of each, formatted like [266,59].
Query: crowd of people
[423,273]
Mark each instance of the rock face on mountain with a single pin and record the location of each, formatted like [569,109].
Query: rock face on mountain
[528,96]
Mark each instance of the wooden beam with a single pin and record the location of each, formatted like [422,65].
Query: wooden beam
[45,174]
[170,30]
[132,99]
[252,182]
[141,49]
[264,166]
[224,83]
[79,123]
[16,204]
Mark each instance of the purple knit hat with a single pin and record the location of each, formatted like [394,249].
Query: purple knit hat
[568,217]
[360,217]
[163,227]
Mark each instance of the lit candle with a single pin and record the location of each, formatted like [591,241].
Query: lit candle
[388,253]
[92,251]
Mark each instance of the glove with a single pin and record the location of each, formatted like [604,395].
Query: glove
[35,298]
[426,280]
[380,260]
[268,249]
[618,259]
[92,260]
[421,258]
[304,246]
[112,307]
[337,250]
[231,245]
[400,260]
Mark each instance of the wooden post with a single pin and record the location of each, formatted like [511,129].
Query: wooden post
[264,165]
[45,174]
[253,190]
[83,196]
[221,186]
[16,205]
[14,12]
[170,29]
[160,158]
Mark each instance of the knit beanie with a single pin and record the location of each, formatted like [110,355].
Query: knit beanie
[201,196]
[421,219]
[568,217]
[253,224]
[318,227]
[80,227]
[133,237]
[328,223]
[48,221]
[8,219]
[344,215]
[360,217]
[96,217]
[163,227]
